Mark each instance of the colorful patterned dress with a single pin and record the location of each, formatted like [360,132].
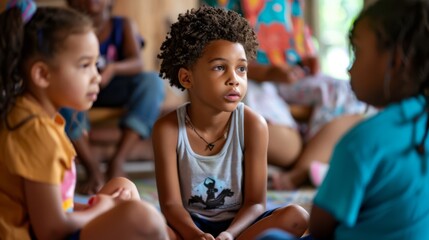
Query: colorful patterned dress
[284,38]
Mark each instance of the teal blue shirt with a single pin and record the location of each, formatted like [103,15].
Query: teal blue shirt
[377,186]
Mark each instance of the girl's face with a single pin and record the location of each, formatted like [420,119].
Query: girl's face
[368,72]
[219,77]
[73,76]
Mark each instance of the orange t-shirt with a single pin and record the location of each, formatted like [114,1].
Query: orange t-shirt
[38,150]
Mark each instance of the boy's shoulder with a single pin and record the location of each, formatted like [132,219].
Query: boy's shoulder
[253,119]
[169,121]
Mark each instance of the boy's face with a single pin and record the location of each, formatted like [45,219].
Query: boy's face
[219,76]
[368,72]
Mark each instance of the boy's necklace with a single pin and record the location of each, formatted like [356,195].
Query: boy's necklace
[210,145]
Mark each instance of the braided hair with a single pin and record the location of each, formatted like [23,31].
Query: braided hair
[38,39]
[402,27]
[195,29]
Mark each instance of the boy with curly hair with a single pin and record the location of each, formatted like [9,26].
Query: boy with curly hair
[211,153]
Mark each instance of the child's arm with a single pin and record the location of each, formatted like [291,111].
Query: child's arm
[119,188]
[322,223]
[132,62]
[164,138]
[47,217]
[255,172]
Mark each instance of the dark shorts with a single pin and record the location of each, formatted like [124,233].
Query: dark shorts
[215,228]
[73,236]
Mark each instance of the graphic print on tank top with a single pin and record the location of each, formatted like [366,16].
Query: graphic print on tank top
[211,194]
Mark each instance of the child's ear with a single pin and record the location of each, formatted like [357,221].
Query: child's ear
[185,78]
[39,74]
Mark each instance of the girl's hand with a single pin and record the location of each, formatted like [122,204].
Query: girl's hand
[121,194]
[225,236]
[101,203]
[104,201]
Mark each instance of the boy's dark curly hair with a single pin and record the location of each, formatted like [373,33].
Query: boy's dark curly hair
[192,32]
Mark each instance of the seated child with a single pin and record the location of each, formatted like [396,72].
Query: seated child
[211,153]
[48,59]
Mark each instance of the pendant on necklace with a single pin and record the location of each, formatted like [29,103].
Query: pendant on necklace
[210,146]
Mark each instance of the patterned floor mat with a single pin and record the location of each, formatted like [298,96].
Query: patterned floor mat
[302,197]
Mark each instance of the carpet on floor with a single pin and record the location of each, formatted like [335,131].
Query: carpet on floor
[302,197]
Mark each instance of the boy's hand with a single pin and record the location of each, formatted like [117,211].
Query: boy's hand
[205,236]
[225,236]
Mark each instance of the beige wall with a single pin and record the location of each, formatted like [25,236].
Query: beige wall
[153,18]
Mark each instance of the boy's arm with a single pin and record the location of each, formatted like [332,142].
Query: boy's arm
[164,139]
[255,172]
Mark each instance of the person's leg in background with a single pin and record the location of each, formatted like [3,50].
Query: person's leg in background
[142,96]
[335,111]
[285,142]
[285,145]
[319,148]
[77,127]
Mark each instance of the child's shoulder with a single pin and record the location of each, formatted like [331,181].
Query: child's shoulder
[252,118]
[369,126]
[170,119]
[388,121]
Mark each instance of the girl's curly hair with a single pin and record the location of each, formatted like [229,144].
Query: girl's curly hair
[192,32]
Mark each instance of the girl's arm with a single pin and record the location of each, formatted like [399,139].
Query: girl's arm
[255,172]
[164,139]
[322,223]
[47,217]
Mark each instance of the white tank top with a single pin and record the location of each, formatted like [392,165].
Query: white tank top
[211,186]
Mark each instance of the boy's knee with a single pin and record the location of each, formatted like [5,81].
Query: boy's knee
[294,219]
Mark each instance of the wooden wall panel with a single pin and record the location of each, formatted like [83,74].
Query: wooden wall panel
[153,19]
